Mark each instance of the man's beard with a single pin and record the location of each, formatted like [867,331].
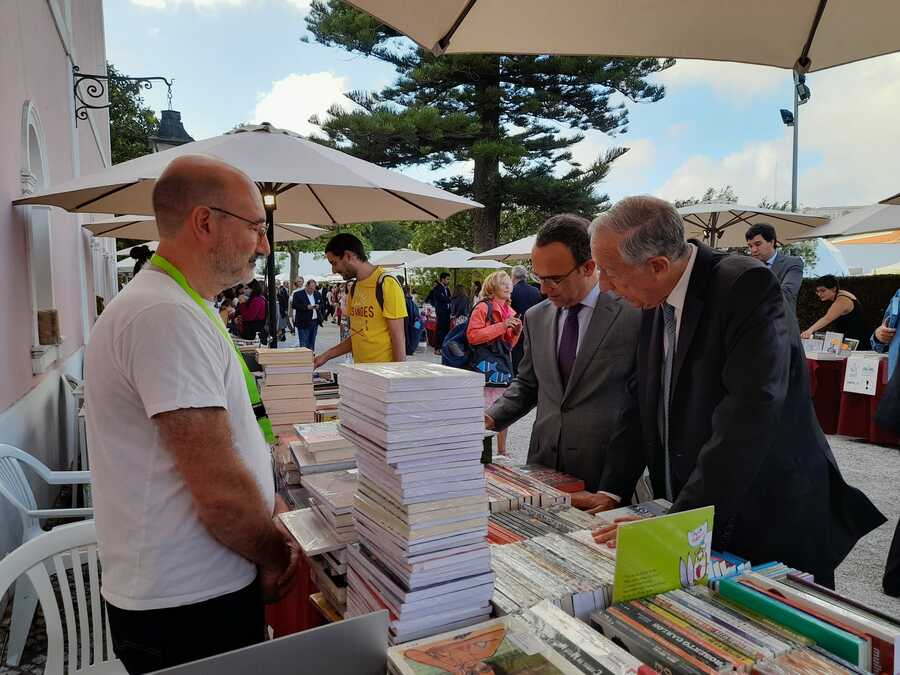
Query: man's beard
[230,269]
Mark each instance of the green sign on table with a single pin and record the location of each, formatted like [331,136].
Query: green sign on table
[657,555]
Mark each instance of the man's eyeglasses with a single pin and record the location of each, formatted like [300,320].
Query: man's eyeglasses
[257,226]
[555,281]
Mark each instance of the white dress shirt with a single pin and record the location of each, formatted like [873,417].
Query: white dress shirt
[679,293]
[311,297]
[584,317]
[771,260]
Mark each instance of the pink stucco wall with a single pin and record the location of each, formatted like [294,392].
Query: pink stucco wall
[34,66]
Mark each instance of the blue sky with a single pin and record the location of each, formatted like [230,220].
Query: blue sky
[242,60]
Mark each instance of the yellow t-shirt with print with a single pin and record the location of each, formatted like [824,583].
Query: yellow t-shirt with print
[369,335]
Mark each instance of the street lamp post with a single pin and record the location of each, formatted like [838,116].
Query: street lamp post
[792,119]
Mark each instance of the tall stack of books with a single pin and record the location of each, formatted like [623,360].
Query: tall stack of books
[421,509]
[288,389]
[541,639]
[321,448]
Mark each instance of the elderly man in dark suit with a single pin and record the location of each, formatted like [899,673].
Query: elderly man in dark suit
[762,240]
[723,392]
[524,297]
[578,369]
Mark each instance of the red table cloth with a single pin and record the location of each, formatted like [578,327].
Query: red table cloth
[826,380]
[857,412]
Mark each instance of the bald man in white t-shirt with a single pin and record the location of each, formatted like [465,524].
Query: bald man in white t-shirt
[184,496]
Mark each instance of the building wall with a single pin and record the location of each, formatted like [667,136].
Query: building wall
[41,146]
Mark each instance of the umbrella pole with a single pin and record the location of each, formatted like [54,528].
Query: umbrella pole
[272,314]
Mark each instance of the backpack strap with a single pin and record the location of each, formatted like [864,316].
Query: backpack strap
[379,289]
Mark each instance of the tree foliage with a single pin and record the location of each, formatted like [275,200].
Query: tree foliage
[131,123]
[503,115]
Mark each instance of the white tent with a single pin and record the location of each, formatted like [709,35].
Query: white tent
[520,249]
[723,224]
[454,259]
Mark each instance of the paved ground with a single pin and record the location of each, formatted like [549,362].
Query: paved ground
[872,468]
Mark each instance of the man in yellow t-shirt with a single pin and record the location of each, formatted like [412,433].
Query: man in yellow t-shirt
[376,306]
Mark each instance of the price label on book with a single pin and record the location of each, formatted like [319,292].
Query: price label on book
[657,555]
[861,375]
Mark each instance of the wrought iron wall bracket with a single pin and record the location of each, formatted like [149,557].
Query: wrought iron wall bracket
[91,88]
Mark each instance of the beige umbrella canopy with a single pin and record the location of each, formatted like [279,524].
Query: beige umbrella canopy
[399,258]
[144,228]
[724,225]
[876,218]
[520,249]
[768,32]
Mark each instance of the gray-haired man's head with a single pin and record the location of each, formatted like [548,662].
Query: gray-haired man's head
[518,274]
[640,248]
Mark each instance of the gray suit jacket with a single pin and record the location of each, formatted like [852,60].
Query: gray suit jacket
[788,269]
[592,429]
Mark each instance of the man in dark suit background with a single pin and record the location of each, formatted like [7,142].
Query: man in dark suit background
[578,369]
[724,399]
[309,314]
[439,298]
[762,240]
[524,297]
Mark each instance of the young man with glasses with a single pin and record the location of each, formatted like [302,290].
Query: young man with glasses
[577,367]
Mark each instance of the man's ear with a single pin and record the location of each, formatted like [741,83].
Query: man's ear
[659,265]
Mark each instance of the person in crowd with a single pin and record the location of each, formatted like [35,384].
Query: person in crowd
[883,338]
[283,298]
[524,297]
[577,368]
[501,332]
[252,313]
[762,240]
[439,298]
[140,254]
[844,314]
[226,306]
[308,314]
[345,314]
[724,398]
[183,493]
[887,417]
[476,291]
[460,305]
[375,306]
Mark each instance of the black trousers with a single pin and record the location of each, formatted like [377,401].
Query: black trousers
[891,581]
[153,639]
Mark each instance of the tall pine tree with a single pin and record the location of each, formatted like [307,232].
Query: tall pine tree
[505,114]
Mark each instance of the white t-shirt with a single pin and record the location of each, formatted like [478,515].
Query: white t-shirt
[155,350]
[311,298]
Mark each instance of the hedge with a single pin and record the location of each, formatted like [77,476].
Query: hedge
[874,294]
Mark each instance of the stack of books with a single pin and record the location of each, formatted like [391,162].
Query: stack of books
[420,509]
[540,640]
[528,522]
[509,487]
[288,389]
[331,497]
[320,447]
[774,620]
[557,479]
[330,577]
[576,576]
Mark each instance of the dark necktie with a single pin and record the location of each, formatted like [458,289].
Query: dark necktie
[568,345]
[670,324]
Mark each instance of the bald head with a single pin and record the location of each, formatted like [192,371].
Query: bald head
[190,181]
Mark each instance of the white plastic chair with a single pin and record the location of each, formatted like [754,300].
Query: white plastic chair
[80,630]
[14,486]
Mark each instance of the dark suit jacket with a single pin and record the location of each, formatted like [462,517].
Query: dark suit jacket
[743,435]
[590,429]
[788,269]
[303,310]
[524,297]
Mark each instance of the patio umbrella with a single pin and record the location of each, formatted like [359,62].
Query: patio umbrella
[144,228]
[889,237]
[305,181]
[814,34]
[399,258]
[891,200]
[723,224]
[875,218]
[520,249]
[455,259]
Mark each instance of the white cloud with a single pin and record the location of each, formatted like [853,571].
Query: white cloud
[153,31]
[292,101]
[849,124]
[737,82]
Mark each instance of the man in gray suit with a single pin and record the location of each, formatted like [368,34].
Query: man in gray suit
[578,369]
[788,269]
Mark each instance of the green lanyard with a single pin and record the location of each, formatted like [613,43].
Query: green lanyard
[259,409]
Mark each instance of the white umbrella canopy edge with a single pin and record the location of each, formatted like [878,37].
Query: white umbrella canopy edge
[454,258]
[827,32]
[868,219]
[314,184]
[724,224]
[517,250]
[144,228]
[400,257]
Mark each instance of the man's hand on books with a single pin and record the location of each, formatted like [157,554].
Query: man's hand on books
[593,502]
[489,423]
[607,533]
[319,361]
